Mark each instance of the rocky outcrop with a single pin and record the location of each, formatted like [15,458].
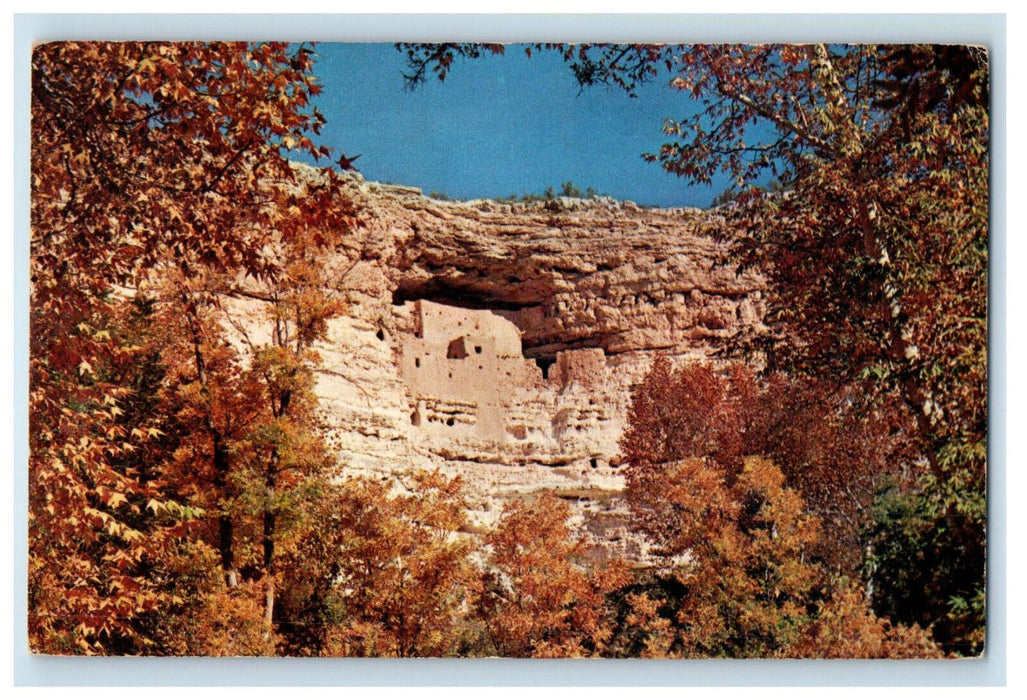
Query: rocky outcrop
[502,341]
[568,273]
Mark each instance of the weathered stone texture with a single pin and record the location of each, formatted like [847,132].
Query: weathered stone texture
[502,341]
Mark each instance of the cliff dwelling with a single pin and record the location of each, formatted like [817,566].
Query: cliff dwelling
[461,367]
[468,379]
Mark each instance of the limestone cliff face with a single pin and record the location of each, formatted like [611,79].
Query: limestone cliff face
[502,341]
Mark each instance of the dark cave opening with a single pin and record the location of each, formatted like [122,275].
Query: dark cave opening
[460,297]
[544,362]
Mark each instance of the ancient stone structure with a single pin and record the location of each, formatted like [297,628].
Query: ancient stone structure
[462,366]
[470,384]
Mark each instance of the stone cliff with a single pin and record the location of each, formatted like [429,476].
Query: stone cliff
[502,341]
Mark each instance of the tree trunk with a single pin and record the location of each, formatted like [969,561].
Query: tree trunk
[226,528]
[269,546]
[220,458]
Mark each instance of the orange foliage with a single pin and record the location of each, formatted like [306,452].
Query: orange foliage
[209,619]
[745,585]
[748,574]
[837,452]
[146,157]
[741,542]
[847,628]
[539,597]
[399,575]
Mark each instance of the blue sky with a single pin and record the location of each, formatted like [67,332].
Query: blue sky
[498,126]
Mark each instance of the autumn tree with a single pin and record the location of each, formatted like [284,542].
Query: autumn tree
[215,399]
[199,616]
[146,156]
[745,581]
[207,617]
[541,597]
[845,626]
[748,577]
[830,446]
[751,568]
[877,249]
[386,573]
[285,453]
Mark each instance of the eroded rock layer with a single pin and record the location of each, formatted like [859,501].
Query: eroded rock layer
[502,341]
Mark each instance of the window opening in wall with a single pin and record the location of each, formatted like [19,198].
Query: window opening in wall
[449,422]
[415,418]
[417,362]
[594,462]
[477,349]
[380,334]
[457,349]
